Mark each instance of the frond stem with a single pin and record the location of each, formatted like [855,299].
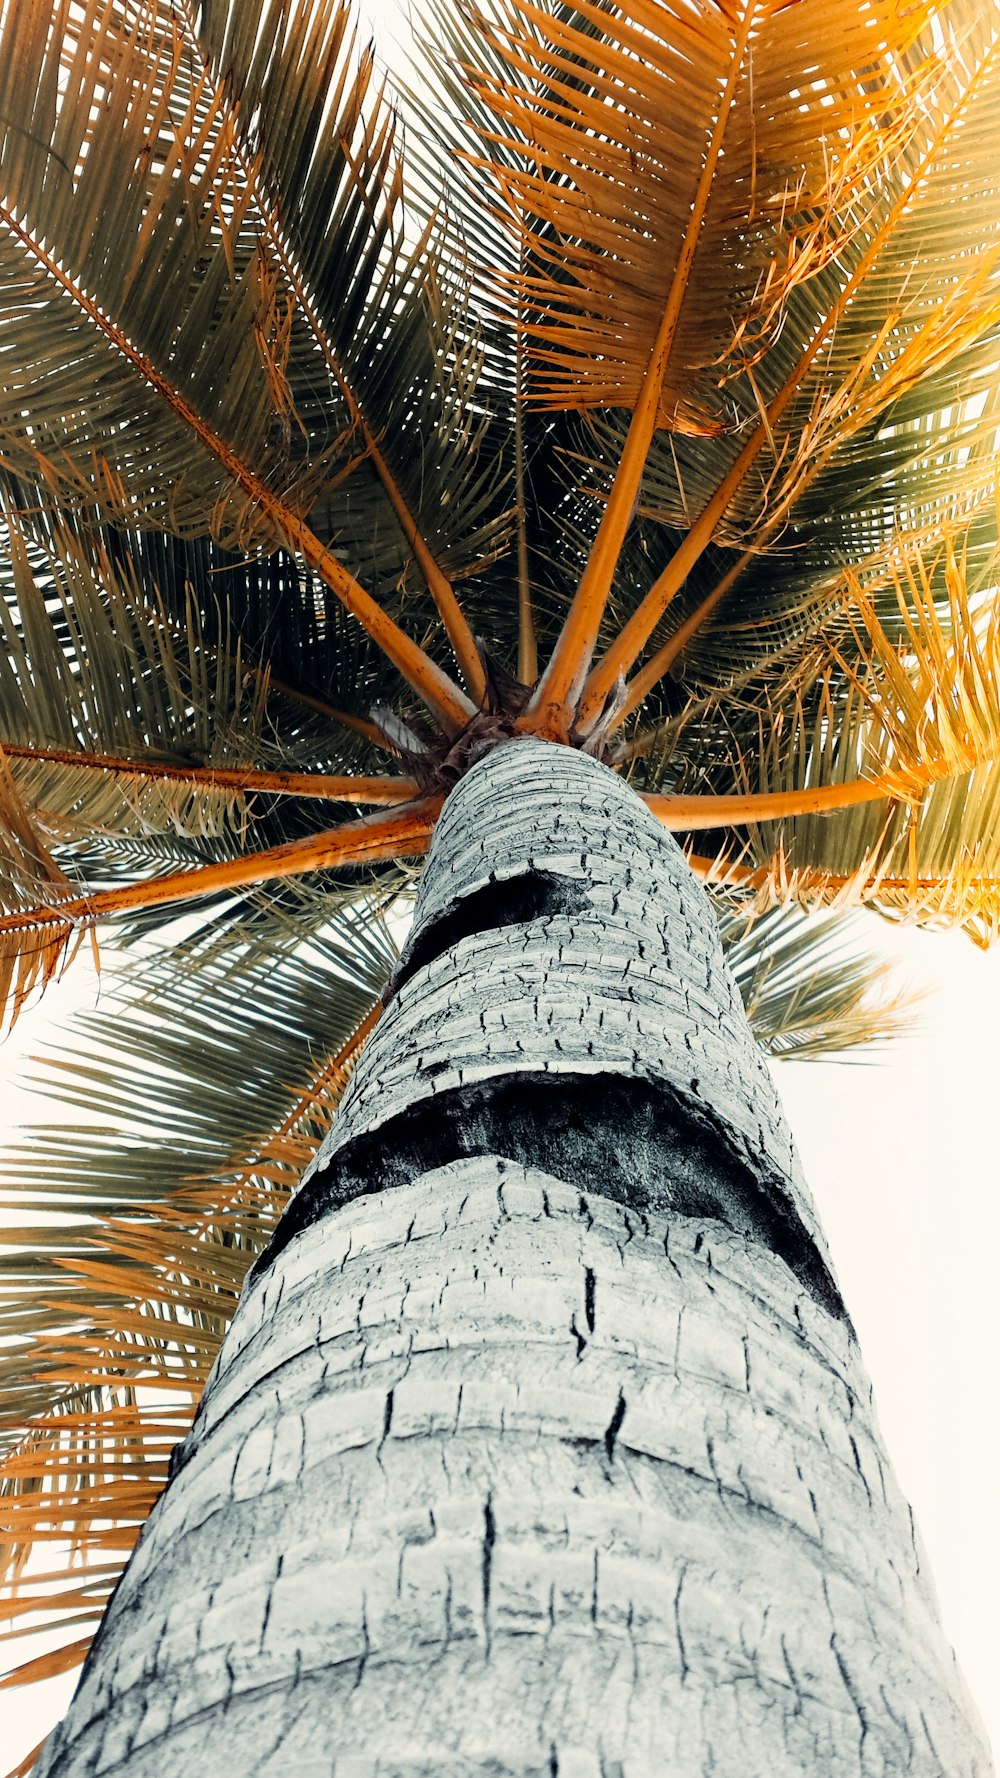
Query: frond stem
[386,791]
[829,883]
[403,834]
[527,639]
[439,693]
[575,646]
[629,644]
[358,724]
[688,814]
[659,665]
[442,592]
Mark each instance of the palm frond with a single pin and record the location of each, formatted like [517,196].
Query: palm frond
[906,738]
[92,662]
[322,671]
[200,373]
[29,876]
[883,503]
[390,319]
[935,694]
[46,927]
[810,987]
[936,865]
[143,1224]
[96,662]
[862,333]
[622,108]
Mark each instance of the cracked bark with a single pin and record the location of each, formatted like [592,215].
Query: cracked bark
[521,1468]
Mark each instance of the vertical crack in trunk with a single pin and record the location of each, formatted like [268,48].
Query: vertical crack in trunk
[590,1298]
[615,1425]
[489,1540]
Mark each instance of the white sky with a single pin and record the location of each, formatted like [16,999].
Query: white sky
[902,1158]
[902,1155]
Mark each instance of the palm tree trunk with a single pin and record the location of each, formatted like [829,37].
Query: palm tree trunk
[540,1443]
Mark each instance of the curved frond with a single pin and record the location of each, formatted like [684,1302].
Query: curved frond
[622,114]
[93,662]
[51,922]
[157,381]
[863,332]
[143,1221]
[810,987]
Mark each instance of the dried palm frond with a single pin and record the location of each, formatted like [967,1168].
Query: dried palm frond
[111,1318]
[28,876]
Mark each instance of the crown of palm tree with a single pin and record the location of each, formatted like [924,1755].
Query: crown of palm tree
[655,413]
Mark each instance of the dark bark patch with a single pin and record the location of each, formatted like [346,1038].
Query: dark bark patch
[489,1539]
[515,901]
[614,1426]
[609,1135]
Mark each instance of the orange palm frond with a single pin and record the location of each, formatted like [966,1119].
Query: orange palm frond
[875,339]
[33,940]
[343,789]
[654,177]
[934,695]
[27,871]
[159,1293]
[964,895]
[641,224]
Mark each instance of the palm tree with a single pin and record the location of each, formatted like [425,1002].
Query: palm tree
[626,472]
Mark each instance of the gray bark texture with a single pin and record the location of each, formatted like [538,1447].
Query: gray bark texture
[540,1445]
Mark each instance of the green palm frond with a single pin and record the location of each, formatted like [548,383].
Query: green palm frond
[163,654]
[97,661]
[323,671]
[217,407]
[811,987]
[390,318]
[886,499]
[194,309]
[93,663]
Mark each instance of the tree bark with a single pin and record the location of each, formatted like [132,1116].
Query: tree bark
[540,1443]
